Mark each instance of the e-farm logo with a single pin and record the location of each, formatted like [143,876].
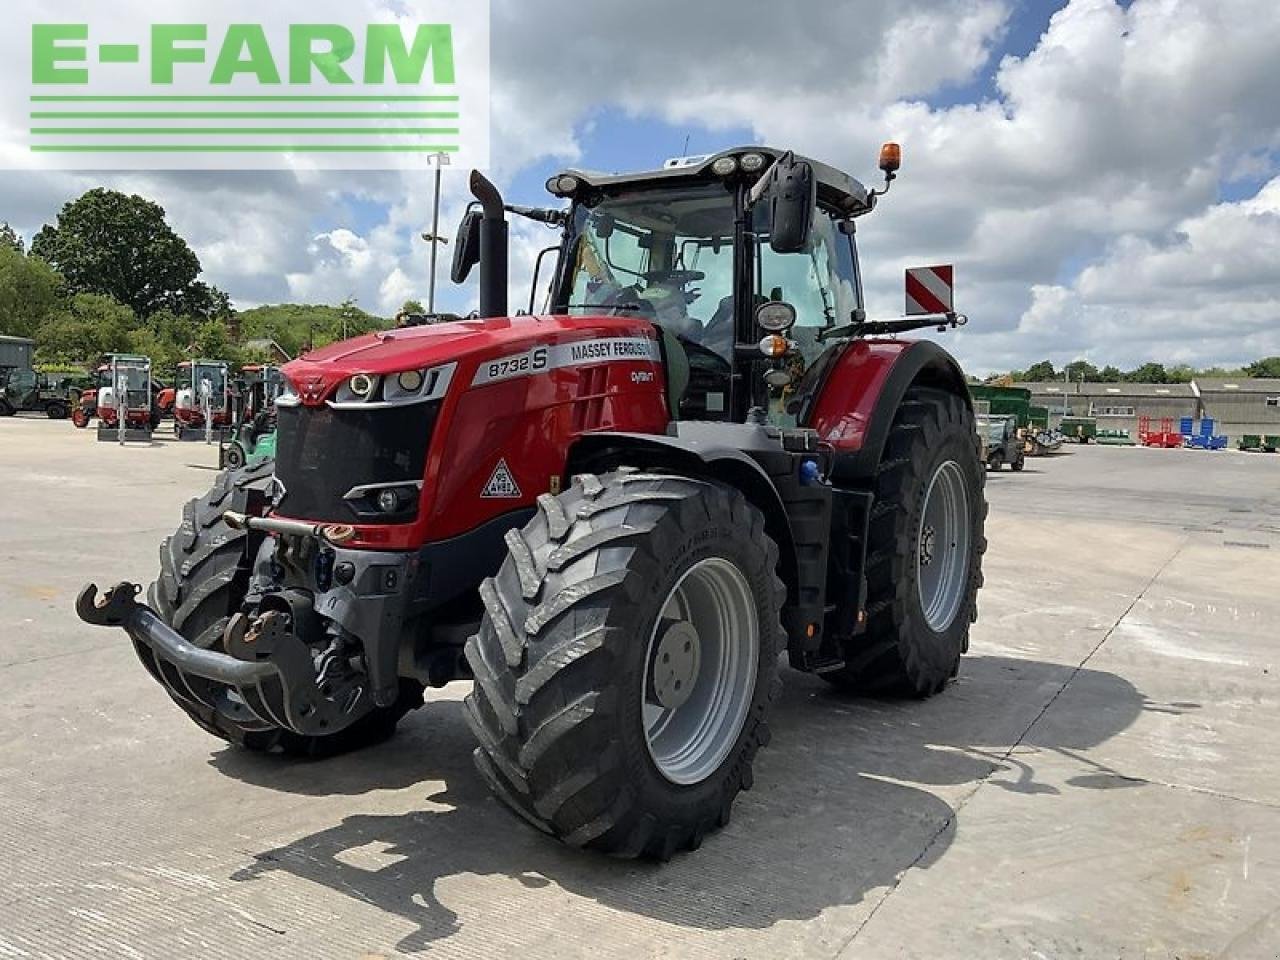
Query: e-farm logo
[236,84]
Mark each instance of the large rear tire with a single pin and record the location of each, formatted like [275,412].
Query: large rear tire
[626,662]
[204,575]
[924,553]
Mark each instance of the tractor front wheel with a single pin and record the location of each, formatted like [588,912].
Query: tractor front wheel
[80,417]
[626,662]
[924,551]
[204,575]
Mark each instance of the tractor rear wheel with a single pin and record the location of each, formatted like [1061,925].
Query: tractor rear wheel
[626,662]
[204,574]
[924,553]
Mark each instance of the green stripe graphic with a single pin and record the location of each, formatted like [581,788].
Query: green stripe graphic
[241,99]
[233,115]
[245,131]
[238,148]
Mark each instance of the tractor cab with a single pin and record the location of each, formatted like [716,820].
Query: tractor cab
[202,402]
[745,260]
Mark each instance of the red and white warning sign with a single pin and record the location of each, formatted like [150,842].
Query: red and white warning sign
[502,484]
[930,290]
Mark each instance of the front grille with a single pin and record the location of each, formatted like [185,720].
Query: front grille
[321,453]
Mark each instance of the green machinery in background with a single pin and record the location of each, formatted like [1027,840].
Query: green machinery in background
[1268,443]
[253,418]
[1079,429]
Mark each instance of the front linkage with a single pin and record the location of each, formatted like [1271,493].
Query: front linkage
[274,674]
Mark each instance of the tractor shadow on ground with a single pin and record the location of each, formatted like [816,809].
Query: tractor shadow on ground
[833,814]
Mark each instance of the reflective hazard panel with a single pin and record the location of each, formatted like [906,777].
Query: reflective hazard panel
[502,485]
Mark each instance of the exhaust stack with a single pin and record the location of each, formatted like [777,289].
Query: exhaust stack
[493,247]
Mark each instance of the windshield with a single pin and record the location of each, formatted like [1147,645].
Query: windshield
[662,254]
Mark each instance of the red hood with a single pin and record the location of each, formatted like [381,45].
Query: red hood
[414,348]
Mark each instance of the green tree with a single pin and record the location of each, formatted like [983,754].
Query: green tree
[1266,367]
[1039,372]
[9,238]
[1148,373]
[30,291]
[1079,370]
[121,246]
[91,325]
[1110,374]
[413,306]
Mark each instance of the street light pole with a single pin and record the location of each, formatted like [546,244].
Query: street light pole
[433,238]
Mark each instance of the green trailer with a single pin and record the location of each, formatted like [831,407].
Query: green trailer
[1079,429]
[1007,401]
[1268,443]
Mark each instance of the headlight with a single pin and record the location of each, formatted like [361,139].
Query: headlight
[752,162]
[563,185]
[388,501]
[394,389]
[776,316]
[724,166]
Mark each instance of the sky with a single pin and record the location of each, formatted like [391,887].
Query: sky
[1104,175]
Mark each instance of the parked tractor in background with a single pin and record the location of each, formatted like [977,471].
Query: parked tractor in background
[253,418]
[612,518]
[1004,442]
[202,400]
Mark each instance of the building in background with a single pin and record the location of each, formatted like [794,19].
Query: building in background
[16,352]
[1241,406]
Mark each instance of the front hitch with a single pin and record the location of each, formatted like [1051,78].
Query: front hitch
[272,670]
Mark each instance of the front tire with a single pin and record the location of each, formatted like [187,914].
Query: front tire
[204,575]
[924,553]
[629,611]
[56,411]
[234,457]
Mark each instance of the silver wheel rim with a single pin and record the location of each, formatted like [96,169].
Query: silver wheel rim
[700,671]
[942,548]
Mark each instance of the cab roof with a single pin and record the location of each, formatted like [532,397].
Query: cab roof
[836,190]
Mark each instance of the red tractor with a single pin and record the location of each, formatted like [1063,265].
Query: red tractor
[613,517]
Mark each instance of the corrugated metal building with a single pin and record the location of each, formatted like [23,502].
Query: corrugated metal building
[1242,406]
[1118,406]
[16,351]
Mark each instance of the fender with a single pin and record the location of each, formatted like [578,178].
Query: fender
[858,391]
[741,455]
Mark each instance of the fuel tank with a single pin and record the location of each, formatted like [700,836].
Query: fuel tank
[519,392]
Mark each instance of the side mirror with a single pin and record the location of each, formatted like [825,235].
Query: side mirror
[792,199]
[466,248]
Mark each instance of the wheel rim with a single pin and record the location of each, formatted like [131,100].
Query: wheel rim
[700,671]
[942,548]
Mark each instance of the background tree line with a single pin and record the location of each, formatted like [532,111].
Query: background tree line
[1146,373]
[111,276]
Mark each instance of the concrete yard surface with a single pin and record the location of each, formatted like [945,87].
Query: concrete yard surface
[1101,781]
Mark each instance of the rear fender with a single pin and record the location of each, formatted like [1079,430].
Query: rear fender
[853,405]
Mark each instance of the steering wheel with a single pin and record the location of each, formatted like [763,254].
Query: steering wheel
[678,277]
